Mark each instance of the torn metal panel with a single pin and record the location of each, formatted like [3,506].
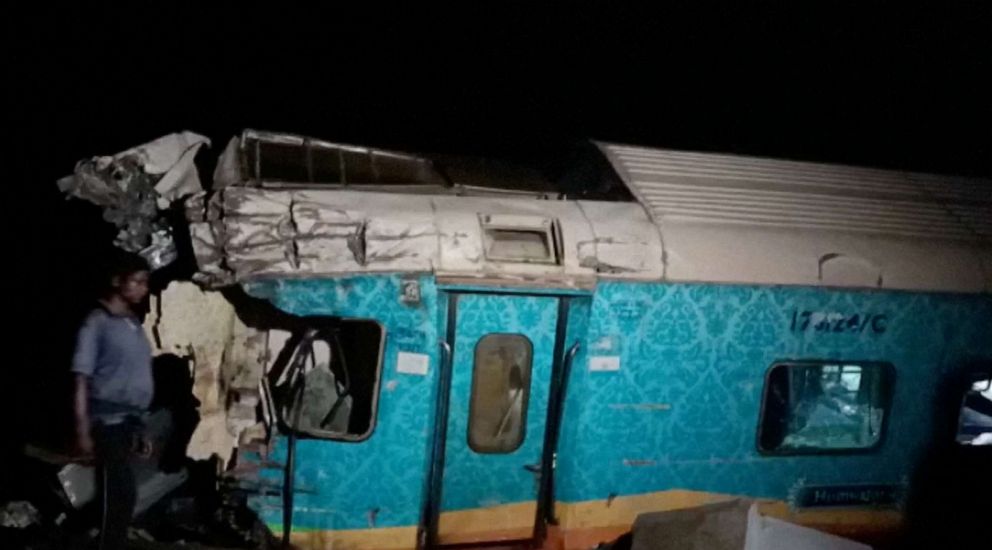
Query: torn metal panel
[133,185]
[256,231]
[209,255]
[625,242]
[253,232]
[343,233]
[172,157]
[297,233]
[199,325]
[313,218]
[166,161]
[327,234]
[228,169]
[410,243]
[264,260]
[247,202]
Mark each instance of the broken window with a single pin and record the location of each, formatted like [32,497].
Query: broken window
[325,380]
[509,238]
[975,419]
[280,161]
[815,406]
[500,392]
[287,159]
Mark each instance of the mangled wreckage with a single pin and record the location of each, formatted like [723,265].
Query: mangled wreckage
[134,185]
[393,351]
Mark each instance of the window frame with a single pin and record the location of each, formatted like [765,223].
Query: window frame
[972,378]
[548,227]
[524,406]
[253,163]
[321,323]
[888,393]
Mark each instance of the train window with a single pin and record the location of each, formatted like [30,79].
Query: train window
[325,380]
[527,239]
[500,392]
[975,420]
[823,406]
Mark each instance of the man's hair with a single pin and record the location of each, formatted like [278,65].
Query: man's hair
[122,265]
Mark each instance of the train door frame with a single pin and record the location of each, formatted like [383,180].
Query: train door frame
[563,355]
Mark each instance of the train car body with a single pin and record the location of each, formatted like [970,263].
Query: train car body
[522,367]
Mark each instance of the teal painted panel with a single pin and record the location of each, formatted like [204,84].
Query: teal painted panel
[569,435]
[682,410]
[515,290]
[378,481]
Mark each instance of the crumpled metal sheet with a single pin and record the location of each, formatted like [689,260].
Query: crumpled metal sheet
[228,169]
[243,233]
[134,185]
[172,156]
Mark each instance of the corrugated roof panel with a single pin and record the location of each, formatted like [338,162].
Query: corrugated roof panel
[801,194]
[832,209]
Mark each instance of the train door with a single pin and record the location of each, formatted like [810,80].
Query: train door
[501,370]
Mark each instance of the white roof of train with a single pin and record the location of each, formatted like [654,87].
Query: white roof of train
[702,218]
[735,219]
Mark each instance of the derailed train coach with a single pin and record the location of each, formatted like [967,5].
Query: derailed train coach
[458,361]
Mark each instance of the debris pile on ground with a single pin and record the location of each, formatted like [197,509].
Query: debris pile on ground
[729,525]
[19,514]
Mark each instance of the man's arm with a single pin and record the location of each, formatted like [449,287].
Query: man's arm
[80,406]
[83,366]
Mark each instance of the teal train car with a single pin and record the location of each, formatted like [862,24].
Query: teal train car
[459,363]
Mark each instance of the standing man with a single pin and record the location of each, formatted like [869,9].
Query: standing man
[113,389]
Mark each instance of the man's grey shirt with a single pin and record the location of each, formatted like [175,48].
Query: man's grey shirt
[113,352]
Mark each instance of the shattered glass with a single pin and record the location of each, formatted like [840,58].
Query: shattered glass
[827,406]
[321,409]
[975,420]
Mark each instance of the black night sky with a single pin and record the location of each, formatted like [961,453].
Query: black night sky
[888,84]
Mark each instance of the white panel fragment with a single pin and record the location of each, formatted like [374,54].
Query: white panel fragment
[412,363]
[604,363]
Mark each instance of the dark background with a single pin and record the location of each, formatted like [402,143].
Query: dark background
[889,84]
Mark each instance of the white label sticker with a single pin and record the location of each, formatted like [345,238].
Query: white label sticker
[604,363]
[412,363]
